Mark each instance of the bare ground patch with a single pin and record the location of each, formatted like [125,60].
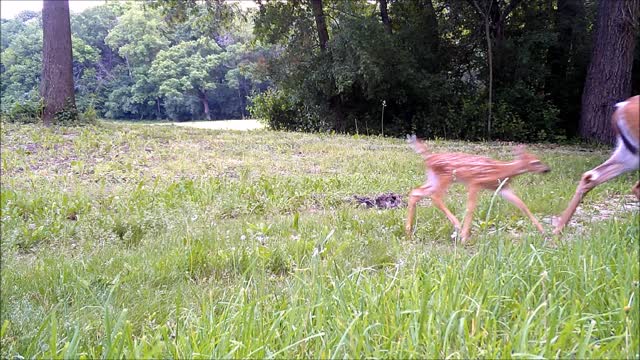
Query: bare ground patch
[600,211]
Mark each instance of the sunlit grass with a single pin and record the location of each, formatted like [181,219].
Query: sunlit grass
[154,241]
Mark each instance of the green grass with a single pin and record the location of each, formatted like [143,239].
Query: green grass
[124,240]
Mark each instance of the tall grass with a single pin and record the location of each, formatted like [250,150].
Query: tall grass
[147,242]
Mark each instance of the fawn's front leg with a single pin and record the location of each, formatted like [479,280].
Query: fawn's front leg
[436,192]
[414,196]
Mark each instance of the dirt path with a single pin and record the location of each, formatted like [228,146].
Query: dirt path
[223,124]
[594,212]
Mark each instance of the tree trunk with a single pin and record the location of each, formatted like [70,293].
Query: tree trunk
[56,87]
[609,73]
[384,14]
[487,16]
[490,64]
[205,104]
[321,24]
[335,102]
[433,32]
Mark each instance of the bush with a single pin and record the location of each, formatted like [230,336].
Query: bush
[90,115]
[28,111]
[276,109]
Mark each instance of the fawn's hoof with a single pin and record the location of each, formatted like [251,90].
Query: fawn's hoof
[408,233]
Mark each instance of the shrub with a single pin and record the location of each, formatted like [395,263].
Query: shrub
[28,111]
[276,109]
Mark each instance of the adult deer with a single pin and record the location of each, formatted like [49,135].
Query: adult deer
[626,124]
[476,173]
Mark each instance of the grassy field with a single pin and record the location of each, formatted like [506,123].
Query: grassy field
[123,240]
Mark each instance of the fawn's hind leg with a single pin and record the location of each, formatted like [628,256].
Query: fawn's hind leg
[510,196]
[471,206]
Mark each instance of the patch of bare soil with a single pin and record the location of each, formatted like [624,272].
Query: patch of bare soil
[383,201]
[595,212]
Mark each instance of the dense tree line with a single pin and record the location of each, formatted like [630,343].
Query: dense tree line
[131,62]
[505,69]
[471,69]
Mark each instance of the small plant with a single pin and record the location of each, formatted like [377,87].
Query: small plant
[90,115]
[130,233]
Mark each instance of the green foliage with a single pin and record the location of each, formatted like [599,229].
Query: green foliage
[89,116]
[176,59]
[68,116]
[431,71]
[25,112]
[114,48]
[278,110]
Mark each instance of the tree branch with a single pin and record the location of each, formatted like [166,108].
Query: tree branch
[512,5]
[475,4]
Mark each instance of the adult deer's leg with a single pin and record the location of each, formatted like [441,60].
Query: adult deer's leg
[468,217]
[603,173]
[510,196]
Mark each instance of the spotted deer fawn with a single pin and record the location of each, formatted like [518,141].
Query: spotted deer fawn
[476,173]
[625,123]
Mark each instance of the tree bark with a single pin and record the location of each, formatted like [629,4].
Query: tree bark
[321,24]
[609,74]
[335,102]
[56,87]
[384,15]
[205,104]
[487,16]
[490,65]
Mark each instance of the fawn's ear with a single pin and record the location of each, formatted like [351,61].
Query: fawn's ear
[519,150]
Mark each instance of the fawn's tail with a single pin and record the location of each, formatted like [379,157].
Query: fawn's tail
[418,145]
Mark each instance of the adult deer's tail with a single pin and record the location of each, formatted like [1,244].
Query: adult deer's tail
[418,145]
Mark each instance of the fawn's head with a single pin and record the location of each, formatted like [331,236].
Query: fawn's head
[529,161]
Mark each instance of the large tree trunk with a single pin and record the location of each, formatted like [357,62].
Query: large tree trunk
[56,87]
[321,24]
[384,14]
[335,102]
[609,74]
